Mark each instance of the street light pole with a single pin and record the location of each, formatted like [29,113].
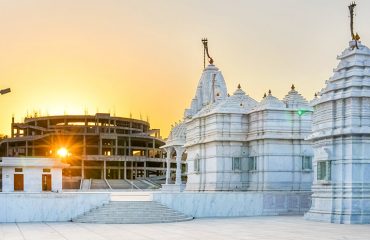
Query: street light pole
[5,91]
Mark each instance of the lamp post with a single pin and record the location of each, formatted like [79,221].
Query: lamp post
[5,91]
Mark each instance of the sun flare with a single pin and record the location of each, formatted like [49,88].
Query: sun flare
[62,152]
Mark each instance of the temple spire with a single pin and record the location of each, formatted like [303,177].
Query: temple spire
[355,37]
[205,51]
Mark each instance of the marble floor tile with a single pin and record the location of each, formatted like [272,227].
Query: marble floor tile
[282,227]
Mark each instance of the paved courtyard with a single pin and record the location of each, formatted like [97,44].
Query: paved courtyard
[286,227]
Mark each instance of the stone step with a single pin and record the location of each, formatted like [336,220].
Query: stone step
[136,222]
[131,215]
[134,207]
[123,203]
[123,218]
[132,218]
[126,212]
[91,219]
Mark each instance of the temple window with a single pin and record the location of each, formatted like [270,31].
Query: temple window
[196,165]
[252,163]
[324,170]
[306,163]
[236,164]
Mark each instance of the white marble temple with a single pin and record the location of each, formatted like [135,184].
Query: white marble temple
[341,139]
[235,143]
[46,207]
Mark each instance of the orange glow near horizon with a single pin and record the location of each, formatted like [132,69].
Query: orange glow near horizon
[144,58]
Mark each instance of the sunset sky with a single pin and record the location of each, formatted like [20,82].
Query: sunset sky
[146,57]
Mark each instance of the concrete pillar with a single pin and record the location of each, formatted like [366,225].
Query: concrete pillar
[132,170]
[83,157]
[119,170]
[135,170]
[125,170]
[100,146]
[83,168]
[116,147]
[169,151]
[179,151]
[153,148]
[105,170]
[129,147]
[26,148]
[145,174]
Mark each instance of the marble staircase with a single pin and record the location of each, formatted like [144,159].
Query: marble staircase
[99,184]
[120,184]
[132,212]
[70,183]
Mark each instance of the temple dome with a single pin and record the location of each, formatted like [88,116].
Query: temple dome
[211,88]
[177,136]
[350,76]
[295,100]
[239,102]
[270,102]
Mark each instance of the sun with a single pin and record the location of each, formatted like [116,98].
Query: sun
[63,152]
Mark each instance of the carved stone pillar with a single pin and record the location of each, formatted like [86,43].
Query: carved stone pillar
[179,151]
[169,151]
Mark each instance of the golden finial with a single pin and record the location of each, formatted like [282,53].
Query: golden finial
[357,37]
[292,87]
[264,95]
[315,95]
[269,91]
[239,87]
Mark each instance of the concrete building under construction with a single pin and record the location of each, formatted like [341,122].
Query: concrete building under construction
[97,146]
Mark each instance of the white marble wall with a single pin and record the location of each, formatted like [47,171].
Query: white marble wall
[43,207]
[215,173]
[274,136]
[235,204]
[279,165]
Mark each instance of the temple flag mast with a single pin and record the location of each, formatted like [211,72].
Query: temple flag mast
[355,37]
[205,50]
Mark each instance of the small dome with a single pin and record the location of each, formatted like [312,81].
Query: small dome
[239,91]
[294,99]
[239,102]
[177,135]
[270,102]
